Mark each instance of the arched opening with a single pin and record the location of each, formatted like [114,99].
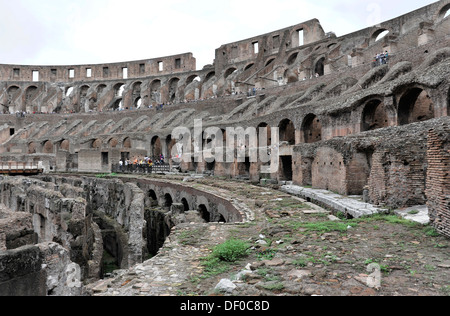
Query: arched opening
[30,94]
[117,105]
[127,143]
[69,91]
[152,195]
[209,76]
[173,87]
[155,92]
[269,62]
[101,88]
[292,58]
[229,72]
[192,78]
[312,129]
[287,131]
[319,69]
[113,142]
[31,148]
[168,201]
[374,116]
[248,67]
[445,12]
[380,34]
[65,145]
[415,106]
[156,146]
[185,203]
[47,148]
[153,199]
[96,144]
[137,103]
[119,89]
[203,210]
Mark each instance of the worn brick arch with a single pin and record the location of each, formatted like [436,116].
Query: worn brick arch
[287,131]
[443,12]
[311,129]
[113,142]
[374,114]
[32,148]
[97,143]
[47,147]
[374,38]
[64,145]
[415,105]
[127,143]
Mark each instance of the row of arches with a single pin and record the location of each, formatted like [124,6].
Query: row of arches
[167,201]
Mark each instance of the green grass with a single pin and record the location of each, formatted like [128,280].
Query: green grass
[223,256]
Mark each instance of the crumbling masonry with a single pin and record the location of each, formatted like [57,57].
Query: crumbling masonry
[346,123]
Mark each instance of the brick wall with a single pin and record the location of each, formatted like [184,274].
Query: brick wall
[438,180]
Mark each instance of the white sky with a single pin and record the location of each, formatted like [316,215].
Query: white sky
[71,32]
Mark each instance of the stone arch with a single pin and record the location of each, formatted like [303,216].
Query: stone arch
[168,200]
[229,71]
[127,143]
[269,61]
[118,104]
[173,87]
[30,94]
[209,76]
[152,195]
[292,58]
[113,142]
[204,213]
[185,203]
[312,129]
[444,12]
[100,88]
[415,105]
[319,66]
[156,146]
[65,145]
[119,88]
[32,148]
[374,115]
[47,147]
[378,35]
[287,131]
[97,143]
[137,104]
[191,79]
[249,66]
[155,91]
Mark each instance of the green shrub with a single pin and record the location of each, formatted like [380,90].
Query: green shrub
[231,251]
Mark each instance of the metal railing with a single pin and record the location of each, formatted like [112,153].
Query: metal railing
[19,167]
[141,168]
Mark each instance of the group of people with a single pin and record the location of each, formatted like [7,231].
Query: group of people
[126,164]
[381,59]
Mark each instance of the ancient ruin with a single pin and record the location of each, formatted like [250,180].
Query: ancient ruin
[330,111]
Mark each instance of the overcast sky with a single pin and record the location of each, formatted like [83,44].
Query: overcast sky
[64,32]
